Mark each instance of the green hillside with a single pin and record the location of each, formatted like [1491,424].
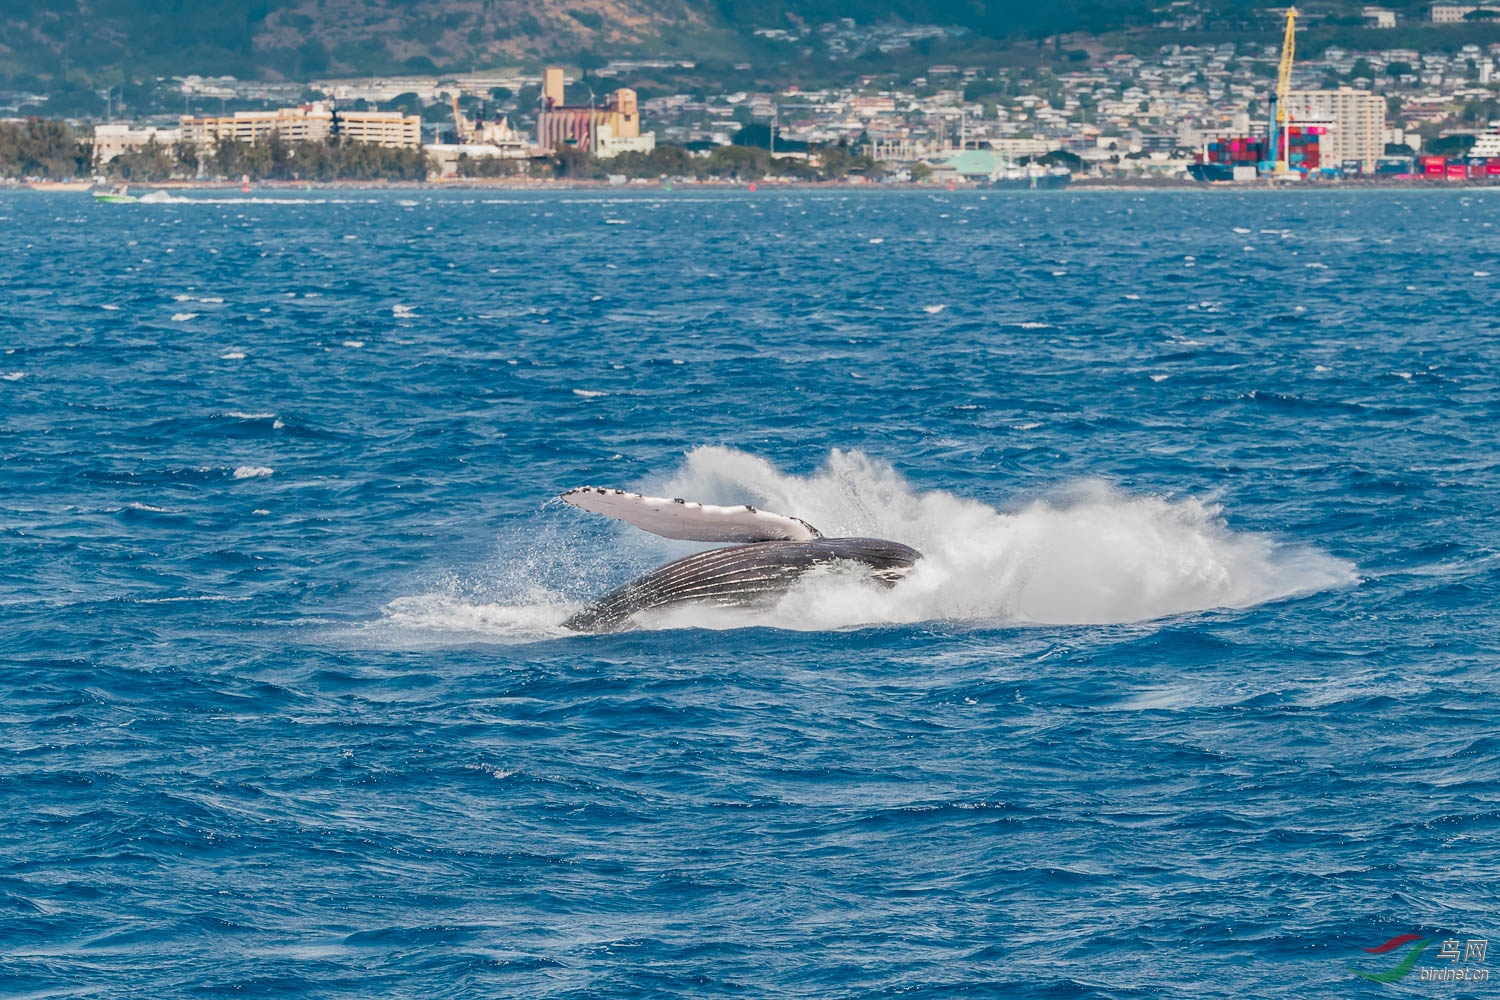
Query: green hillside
[88,45]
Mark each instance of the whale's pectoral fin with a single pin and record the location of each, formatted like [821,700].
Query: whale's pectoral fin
[690,520]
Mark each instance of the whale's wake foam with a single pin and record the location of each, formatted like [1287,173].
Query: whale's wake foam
[1092,555]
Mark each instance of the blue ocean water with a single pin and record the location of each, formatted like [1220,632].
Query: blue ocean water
[1194,694]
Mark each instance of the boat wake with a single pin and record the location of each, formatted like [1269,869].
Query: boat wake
[1090,554]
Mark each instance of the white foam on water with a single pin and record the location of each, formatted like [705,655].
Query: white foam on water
[934,310]
[589,393]
[444,616]
[1088,554]
[252,471]
[183,317]
[13,376]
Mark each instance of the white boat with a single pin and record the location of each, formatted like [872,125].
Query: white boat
[1487,144]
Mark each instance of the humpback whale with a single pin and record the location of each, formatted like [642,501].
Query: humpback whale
[774,551]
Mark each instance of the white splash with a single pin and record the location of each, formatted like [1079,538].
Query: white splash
[1090,554]
[252,471]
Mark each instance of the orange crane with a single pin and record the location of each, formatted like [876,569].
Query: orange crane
[460,123]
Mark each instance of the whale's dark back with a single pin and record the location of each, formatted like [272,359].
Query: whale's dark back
[739,576]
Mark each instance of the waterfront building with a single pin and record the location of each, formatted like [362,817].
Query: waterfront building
[115,138]
[382,128]
[582,126]
[1355,119]
[307,123]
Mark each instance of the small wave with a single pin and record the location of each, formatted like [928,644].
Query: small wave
[354,343]
[201,598]
[589,393]
[934,310]
[239,415]
[183,317]
[13,376]
[232,355]
[252,471]
[441,618]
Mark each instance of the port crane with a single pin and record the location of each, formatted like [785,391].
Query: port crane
[1277,124]
[462,127]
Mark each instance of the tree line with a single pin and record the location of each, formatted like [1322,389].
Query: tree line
[734,162]
[41,148]
[38,147]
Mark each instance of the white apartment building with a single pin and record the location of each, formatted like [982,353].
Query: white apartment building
[1454,13]
[113,139]
[1356,121]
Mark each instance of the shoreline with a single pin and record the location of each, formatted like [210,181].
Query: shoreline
[658,185]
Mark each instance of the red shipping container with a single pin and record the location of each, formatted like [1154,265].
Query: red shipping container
[1457,171]
[1492,168]
[1433,167]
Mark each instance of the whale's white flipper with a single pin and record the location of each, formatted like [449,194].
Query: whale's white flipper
[687,519]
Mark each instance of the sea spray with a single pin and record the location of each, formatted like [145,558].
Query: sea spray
[1088,553]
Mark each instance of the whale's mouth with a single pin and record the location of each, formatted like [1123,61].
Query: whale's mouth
[1086,554]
